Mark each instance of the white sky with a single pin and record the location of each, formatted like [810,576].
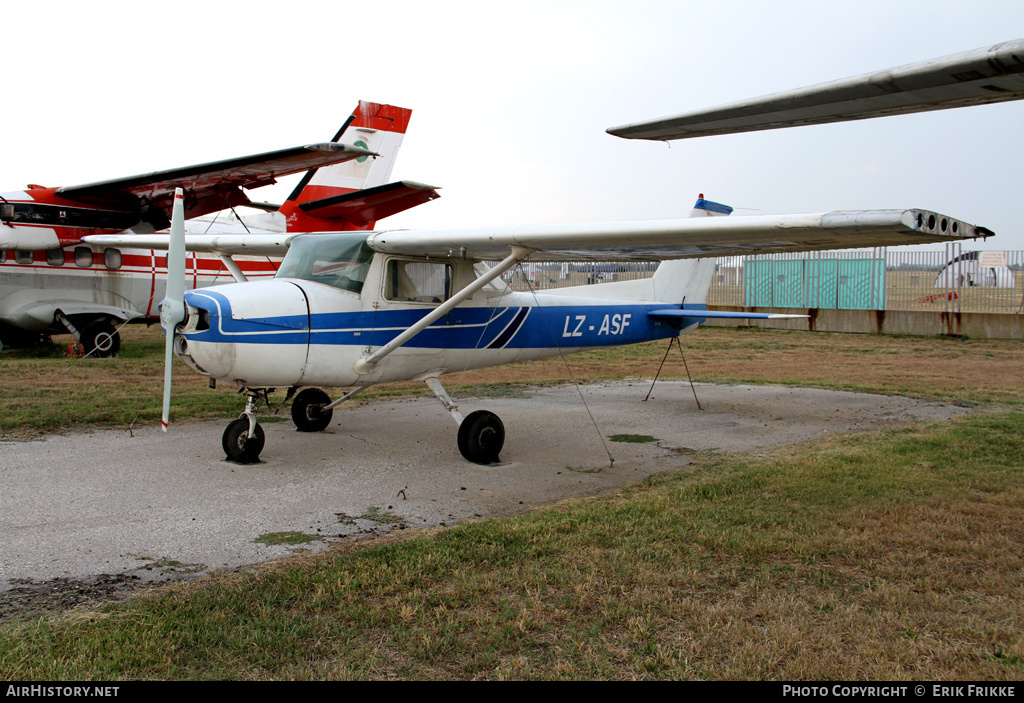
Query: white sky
[510,101]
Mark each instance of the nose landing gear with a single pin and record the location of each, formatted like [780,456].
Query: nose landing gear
[243,445]
[243,439]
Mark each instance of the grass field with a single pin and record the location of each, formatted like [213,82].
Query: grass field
[892,555]
[46,392]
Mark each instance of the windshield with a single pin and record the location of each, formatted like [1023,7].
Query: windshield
[337,260]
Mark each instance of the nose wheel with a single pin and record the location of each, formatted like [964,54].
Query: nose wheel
[240,445]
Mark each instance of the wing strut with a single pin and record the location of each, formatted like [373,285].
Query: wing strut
[232,268]
[367,364]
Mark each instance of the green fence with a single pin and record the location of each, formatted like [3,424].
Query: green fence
[831,283]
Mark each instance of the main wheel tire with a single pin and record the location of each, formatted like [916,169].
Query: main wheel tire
[308,412]
[481,437]
[238,447]
[101,340]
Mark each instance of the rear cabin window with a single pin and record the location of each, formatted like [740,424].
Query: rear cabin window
[55,257]
[417,281]
[24,257]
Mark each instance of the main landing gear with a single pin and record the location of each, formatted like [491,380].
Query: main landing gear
[481,433]
[481,437]
[309,411]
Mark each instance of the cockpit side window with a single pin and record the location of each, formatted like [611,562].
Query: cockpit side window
[341,261]
[417,281]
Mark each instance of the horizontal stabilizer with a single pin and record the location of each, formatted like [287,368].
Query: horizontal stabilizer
[361,207]
[675,313]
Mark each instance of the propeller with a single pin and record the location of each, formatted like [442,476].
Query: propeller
[172,309]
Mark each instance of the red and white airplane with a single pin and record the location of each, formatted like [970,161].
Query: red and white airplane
[54,282]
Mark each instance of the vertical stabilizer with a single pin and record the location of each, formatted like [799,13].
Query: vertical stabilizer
[687,281]
[677,281]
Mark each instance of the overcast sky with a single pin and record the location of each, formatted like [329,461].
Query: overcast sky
[511,101]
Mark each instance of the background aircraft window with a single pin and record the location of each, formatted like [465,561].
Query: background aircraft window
[23,257]
[3,256]
[417,281]
[83,257]
[55,257]
[112,258]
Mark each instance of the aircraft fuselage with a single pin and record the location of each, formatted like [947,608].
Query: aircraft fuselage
[296,332]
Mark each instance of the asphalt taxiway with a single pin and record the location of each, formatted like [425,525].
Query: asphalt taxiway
[163,505]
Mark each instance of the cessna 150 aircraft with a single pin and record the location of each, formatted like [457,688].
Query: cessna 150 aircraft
[982,76]
[53,282]
[359,308]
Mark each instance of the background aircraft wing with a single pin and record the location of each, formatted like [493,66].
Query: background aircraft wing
[270,244]
[684,238]
[208,187]
[987,75]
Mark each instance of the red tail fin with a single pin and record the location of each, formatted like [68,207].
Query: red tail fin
[376,127]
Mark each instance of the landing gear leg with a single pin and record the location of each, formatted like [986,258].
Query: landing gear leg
[481,433]
[243,439]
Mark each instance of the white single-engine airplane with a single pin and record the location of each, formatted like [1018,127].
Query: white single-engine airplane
[360,308]
[53,282]
[979,77]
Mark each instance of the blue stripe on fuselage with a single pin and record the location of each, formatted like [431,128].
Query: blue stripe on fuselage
[519,327]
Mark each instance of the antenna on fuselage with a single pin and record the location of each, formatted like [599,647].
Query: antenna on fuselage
[172,309]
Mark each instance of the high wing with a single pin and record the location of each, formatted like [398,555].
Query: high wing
[649,240]
[986,75]
[208,187]
[654,240]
